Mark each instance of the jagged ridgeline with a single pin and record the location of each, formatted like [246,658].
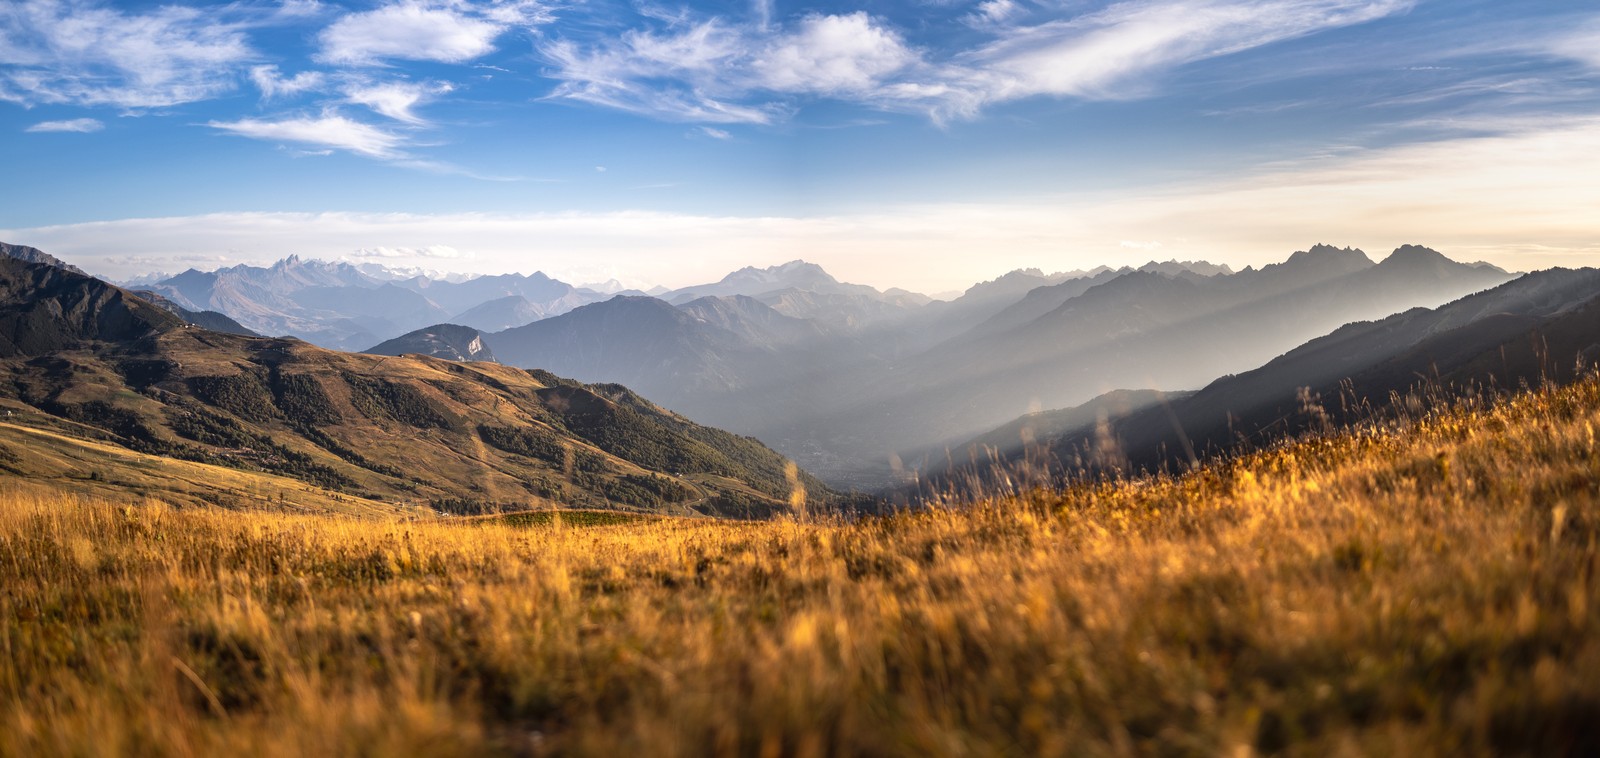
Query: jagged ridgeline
[83,360]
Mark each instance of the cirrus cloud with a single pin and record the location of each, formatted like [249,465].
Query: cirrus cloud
[81,125]
[395,99]
[87,53]
[326,131]
[720,72]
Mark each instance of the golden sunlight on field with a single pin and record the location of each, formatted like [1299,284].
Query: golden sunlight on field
[1427,588]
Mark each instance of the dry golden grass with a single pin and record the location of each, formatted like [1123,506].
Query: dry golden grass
[1425,590]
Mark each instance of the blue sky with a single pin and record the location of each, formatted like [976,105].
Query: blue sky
[923,144]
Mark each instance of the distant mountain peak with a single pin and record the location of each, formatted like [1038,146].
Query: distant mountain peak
[1323,252]
[1175,267]
[781,272]
[1408,253]
[1419,258]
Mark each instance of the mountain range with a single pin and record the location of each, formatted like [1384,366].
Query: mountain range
[1543,326]
[349,307]
[845,378]
[885,377]
[87,364]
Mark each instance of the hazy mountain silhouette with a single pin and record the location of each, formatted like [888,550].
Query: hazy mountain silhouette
[216,322]
[640,341]
[804,290]
[751,281]
[1538,326]
[843,375]
[500,313]
[552,296]
[753,321]
[349,307]
[331,304]
[1138,329]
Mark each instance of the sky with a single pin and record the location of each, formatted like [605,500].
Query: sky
[926,144]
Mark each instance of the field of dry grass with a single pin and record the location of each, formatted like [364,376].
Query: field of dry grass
[1419,588]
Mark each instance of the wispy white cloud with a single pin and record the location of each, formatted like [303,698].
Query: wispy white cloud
[714,133]
[673,76]
[702,71]
[832,54]
[273,84]
[326,131]
[992,13]
[1581,44]
[449,32]
[1121,51]
[1105,54]
[89,53]
[716,71]
[83,125]
[395,99]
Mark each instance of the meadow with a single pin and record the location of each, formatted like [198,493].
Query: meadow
[1419,586]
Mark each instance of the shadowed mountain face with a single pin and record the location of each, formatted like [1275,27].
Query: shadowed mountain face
[501,313]
[87,360]
[45,309]
[628,338]
[1537,327]
[35,255]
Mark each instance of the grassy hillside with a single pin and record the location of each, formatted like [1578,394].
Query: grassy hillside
[1422,588]
[416,432]
[91,363]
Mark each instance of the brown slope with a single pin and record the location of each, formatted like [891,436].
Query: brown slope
[411,430]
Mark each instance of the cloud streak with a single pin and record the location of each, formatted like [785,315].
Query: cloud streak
[274,85]
[326,131]
[716,71]
[86,53]
[396,99]
[80,125]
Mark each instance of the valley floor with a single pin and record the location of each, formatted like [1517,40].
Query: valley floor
[1426,588]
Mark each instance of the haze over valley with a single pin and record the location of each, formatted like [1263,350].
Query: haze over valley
[844,377]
